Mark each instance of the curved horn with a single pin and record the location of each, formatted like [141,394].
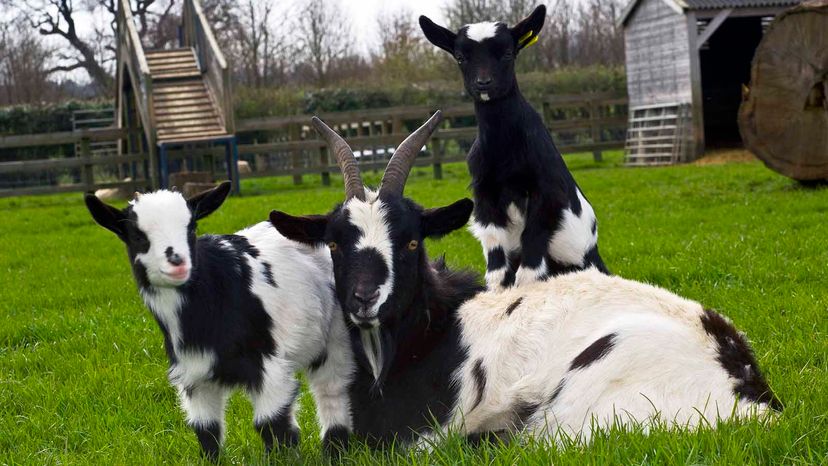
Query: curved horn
[396,173]
[344,157]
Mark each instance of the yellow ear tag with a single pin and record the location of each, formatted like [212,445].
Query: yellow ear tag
[527,37]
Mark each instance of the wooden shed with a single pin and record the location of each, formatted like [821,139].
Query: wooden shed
[686,63]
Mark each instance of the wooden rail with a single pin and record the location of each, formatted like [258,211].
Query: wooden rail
[287,146]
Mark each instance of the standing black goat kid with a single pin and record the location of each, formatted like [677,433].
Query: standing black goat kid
[530,215]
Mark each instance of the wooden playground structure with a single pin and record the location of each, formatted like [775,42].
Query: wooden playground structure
[174,97]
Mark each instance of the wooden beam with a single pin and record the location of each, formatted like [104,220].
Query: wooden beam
[696,86]
[712,27]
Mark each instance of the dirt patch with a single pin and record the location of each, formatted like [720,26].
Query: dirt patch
[719,157]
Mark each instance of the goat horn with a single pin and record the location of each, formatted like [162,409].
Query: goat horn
[344,157]
[396,173]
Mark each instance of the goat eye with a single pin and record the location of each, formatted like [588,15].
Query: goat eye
[332,246]
[412,245]
[460,59]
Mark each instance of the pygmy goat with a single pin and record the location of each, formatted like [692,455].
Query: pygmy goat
[530,216]
[542,358]
[245,310]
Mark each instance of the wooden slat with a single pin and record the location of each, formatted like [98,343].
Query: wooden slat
[169,53]
[174,105]
[176,75]
[184,110]
[204,122]
[174,96]
[171,88]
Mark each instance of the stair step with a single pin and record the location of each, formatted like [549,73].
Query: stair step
[175,74]
[170,135]
[193,137]
[174,67]
[184,105]
[179,89]
[185,110]
[174,96]
[203,120]
[165,53]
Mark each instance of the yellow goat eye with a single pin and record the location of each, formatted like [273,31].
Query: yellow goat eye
[412,245]
[332,246]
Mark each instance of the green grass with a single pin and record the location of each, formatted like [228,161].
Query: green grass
[82,368]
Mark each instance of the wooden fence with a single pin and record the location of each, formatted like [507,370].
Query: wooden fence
[279,146]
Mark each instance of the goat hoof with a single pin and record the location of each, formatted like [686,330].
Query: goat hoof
[335,440]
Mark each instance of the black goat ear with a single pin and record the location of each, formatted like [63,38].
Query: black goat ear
[204,204]
[443,220]
[106,216]
[308,229]
[526,32]
[438,35]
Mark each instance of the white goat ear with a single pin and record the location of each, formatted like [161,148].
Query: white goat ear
[526,32]
[438,35]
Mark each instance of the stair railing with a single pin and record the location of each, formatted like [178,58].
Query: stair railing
[198,34]
[129,46]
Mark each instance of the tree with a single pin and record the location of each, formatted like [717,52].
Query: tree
[325,37]
[403,54]
[94,54]
[23,63]
[261,52]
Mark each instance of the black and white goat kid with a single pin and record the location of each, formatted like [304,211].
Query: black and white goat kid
[530,216]
[542,358]
[244,310]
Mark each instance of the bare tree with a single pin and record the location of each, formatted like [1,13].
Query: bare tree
[261,52]
[23,63]
[403,53]
[325,37]
[96,52]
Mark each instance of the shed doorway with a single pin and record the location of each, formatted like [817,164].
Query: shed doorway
[725,65]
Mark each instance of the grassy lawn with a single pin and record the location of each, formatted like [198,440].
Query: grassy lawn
[83,371]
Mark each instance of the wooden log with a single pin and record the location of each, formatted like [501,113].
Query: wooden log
[784,114]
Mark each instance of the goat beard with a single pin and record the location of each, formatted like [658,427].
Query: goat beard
[372,347]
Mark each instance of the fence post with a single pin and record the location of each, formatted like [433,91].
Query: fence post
[295,154]
[88,168]
[596,130]
[323,162]
[437,157]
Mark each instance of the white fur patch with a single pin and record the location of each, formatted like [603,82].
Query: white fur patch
[573,237]
[205,405]
[192,368]
[163,216]
[662,365]
[165,304]
[369,217]
[479,32]
[278,387]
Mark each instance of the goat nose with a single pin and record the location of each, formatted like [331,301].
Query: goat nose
[366,297]
[484,81]
[175,259]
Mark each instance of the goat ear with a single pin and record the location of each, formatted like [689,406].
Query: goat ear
[106,216]
[308,229]
[204,204]
[438,35]
[443,220]
[526,32]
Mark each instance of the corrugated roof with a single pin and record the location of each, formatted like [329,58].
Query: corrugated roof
[682,5]
[711,4]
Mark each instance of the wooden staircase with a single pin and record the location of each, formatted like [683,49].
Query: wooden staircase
[174,97]
[184,108]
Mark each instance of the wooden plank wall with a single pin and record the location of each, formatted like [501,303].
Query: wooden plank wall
[280,146]
[657,55]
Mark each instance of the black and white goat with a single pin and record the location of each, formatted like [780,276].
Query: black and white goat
[542,358]
[530,216]
[244,310]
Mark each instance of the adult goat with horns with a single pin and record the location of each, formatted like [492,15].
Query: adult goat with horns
[433,349]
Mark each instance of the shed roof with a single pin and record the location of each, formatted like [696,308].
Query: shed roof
[685,5]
